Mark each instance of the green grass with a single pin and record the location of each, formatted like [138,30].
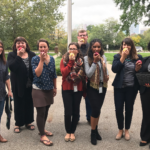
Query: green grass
[57,65]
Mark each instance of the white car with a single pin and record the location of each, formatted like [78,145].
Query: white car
[139,48]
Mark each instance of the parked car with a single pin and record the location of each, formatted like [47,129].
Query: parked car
[139,48]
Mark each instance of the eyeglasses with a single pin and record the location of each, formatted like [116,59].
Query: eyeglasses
[72,49]
[82,35]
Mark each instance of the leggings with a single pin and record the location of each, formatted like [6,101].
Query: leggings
[42,113]
[96,100]
[72,107]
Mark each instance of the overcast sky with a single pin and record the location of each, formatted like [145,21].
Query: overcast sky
[92,12]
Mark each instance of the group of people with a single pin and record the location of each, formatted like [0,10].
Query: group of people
[84,74]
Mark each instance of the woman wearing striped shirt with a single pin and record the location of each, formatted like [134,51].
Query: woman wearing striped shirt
[125,84]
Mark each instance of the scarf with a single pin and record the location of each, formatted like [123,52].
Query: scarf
[95,79]
[77,72]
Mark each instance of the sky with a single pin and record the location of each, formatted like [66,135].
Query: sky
[92,12]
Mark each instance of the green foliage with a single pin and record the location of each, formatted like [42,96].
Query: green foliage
[57,65]
[133,12]
[32,19]
[62,47]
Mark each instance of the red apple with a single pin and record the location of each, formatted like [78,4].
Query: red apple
[19,48]
[139,61]
[96,54]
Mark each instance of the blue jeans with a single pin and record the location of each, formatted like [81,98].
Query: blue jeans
[1,108]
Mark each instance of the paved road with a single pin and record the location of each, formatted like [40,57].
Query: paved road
[29,140]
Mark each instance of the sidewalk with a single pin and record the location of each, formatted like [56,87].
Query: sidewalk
[30,140]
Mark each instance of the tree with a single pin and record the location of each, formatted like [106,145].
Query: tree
[133,12]
[32,19]
[136,39]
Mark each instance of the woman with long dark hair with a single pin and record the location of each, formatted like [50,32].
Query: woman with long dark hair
[4,80]
[19,63]
[145,101]
[96,71]
[73,82]
[125,65]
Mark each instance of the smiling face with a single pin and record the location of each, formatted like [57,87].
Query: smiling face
[73,49]
[43,47]
[21,44]
[1,48]
[96,47]
[126,46]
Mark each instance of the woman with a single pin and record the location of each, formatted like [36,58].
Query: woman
[96,71]
[19,62]
[44,87]
[4,79]
[125,84]
[73,80]
[145,101]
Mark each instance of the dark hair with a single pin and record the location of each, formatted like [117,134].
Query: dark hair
[20,39]
[42,40]
[133,52]
[149,46]
[79,55]
[82,31]
[90,52]
[2,56]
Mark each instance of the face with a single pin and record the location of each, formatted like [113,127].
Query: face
[21,44]
[83,36]
[96,47]
[73,49]
[43,47]
[1,49]
[126,46]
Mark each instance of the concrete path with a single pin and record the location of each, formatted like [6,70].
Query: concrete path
[29,140]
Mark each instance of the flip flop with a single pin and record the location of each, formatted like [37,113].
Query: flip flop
[17,128]
[29,127]
[46,142]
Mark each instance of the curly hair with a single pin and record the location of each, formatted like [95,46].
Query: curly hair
[79,55]
[90,52]
[133,52]
[149,46]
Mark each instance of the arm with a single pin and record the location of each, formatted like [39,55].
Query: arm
[117,64]
[89,70]
[105,59]
[39,69]
[65,70]
[13,62]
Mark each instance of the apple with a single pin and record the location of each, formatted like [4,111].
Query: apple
[96,53]
[125,49]
[82,40]
[139,61]
[19,48]
[71,54]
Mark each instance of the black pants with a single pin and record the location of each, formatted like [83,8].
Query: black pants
[72,107]
[145,128]
[42,113]
[23,108]
[125,96]
[96,100]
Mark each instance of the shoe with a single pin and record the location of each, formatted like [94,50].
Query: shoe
[46,142]
[127,137]
[18,129]
[67,138]
[118,137]
[72,139]
[2,139]
[143,144]
[98,137]
[93,137]
[29,127]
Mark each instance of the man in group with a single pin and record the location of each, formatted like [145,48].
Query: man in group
[82,41]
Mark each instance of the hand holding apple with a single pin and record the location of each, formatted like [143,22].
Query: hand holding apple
[96,57]
[139,62]
[42,56]
[138,65]
[20,51]
[71,56]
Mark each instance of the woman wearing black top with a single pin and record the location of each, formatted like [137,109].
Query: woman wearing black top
[19,62]
[126,86]
[145,101]
[4,80]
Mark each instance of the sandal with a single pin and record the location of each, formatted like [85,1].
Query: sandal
[45,142]
[29,127]
[18,129]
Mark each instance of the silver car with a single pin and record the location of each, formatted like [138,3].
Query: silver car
[139,48]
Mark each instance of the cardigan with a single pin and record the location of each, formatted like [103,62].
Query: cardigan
[119,68]
[65,70]
[19,74]
[3,78]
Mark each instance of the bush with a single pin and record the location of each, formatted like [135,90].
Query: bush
[58,72]
[62,48]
